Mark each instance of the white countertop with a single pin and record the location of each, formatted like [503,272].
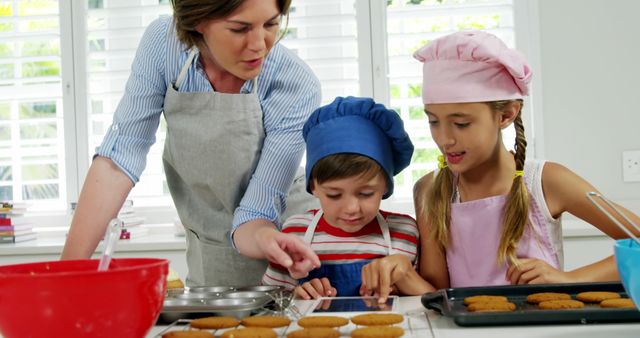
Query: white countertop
[160,237]
[423,323]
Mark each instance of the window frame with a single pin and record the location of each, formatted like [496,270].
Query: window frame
[373,70]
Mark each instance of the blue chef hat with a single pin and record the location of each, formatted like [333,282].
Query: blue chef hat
[358,126]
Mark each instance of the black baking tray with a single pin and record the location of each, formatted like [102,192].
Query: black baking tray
[449,302]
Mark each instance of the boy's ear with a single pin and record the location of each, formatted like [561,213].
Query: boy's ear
[312,187]
[509,113]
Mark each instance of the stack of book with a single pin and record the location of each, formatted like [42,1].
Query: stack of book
[14,227]
[131,223]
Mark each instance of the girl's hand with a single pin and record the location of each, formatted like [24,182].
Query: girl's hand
[535,271]
[315,288]
[379,276]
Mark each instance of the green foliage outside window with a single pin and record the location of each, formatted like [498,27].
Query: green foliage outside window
[41,48]
[38,110]
[39,171]
[5,111]
[425,155]
[41,68]
[417,113]
[5,173]
[39,131]
[5,133]
[395,91]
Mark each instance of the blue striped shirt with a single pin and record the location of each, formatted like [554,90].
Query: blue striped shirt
[288,92]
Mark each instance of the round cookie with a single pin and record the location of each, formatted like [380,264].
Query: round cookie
[377,332]
[188,334]
[322,321]
[266,321]
[250,332]
[213,323]
[495,306]
[617,303]
[536,298]
[314,332]
[596,296]
[484,298]
[377,319]
[561,304]
[175,284]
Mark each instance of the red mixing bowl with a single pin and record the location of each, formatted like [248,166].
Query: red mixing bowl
[73,299]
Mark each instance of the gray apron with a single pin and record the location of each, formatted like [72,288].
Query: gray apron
[213,144]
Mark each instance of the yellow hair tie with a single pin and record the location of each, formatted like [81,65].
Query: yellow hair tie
[519,173]
[441,163]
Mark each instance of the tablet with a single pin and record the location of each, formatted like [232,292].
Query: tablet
[354,304]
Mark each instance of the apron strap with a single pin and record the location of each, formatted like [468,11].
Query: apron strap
[311,229]
[187,64]
[386,234]
[185,67]
[384,226]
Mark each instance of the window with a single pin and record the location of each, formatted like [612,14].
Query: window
[64,65]
[32,153]
[114,29]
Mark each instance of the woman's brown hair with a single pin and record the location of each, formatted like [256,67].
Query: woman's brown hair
[188,14]
[437,207]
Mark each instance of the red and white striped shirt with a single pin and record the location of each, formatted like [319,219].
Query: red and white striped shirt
[336,246]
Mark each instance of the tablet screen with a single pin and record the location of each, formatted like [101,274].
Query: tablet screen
[353,304]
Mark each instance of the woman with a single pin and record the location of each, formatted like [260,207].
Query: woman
[235,102]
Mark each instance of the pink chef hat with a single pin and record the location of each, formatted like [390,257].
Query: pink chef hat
[472,66]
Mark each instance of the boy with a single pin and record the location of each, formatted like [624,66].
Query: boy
[354,148]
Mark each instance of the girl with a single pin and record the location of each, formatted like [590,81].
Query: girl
[487,216]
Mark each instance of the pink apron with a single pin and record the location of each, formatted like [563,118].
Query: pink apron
[475,231]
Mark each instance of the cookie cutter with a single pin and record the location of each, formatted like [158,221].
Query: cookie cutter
[592,195]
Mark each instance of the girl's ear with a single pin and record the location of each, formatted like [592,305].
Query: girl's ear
[509,113]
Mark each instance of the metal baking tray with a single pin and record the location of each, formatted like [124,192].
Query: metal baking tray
[449,302]
[202,301]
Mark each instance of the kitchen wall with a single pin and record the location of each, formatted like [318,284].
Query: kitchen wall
[590,75]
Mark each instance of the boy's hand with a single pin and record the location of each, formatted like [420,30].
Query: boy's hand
[315,288]
[535,271]
[288,251]
[379,276]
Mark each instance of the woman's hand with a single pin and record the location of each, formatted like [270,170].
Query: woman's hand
[535,271]
[380,276]
[287,250]
[316,288]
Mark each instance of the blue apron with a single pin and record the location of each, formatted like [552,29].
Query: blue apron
[346,278]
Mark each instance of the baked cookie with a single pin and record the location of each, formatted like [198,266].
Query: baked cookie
[377,331]
[314,332]
[617,303]
[213,323]
[377,319]
[536,298]
[266,321]
[175,284]
[322,321]
[173,280]
[188,334]
[250,332]
[484,298]
[494,306]
[561,304]
[596,296]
